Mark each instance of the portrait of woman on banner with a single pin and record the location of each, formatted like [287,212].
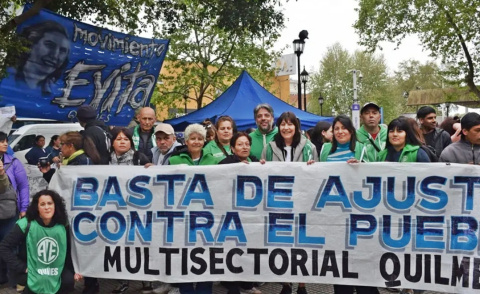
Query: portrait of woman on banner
[46,59]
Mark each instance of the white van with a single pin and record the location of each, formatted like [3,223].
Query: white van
[22,139]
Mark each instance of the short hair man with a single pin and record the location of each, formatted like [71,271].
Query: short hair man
[435,137]
[266,130]
[467,150]
[372,134]
[166,144]
[143,134]
[96,130]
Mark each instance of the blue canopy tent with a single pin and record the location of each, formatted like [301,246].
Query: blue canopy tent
[238,101]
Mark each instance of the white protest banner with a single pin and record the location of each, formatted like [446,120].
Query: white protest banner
[379,224]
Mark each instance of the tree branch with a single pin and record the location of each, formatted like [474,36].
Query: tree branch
[18,20]
[469,79]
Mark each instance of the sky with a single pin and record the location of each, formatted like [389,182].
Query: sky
[331,21]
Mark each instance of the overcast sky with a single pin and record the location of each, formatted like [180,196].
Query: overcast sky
[331,21]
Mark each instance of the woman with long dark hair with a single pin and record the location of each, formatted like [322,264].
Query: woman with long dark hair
[321,134]
[220,146]
[344,145]
[402,145]
[46,217]
[288,144]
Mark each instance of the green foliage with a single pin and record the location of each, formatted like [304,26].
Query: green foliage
[449,29]
[204,58]
[335,82]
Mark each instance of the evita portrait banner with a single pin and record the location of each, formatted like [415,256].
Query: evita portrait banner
[70,63]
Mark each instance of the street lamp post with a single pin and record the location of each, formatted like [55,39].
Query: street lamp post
[320,101]
[304,78]
[355,105]
[298,46]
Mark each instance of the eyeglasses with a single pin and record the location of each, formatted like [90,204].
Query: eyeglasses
[62,143]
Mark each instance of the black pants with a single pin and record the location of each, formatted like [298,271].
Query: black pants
[67,286]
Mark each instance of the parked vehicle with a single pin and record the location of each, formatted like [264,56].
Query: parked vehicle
[22,139]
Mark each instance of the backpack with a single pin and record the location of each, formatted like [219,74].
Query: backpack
[8,199]
[108,137]
[431,152]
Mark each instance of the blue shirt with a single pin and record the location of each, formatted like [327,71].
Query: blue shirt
[343,153]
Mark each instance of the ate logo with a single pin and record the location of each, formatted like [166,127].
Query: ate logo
[47,250]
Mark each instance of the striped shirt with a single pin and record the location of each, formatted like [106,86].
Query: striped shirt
[343,153]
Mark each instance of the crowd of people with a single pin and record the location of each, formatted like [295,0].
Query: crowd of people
[146,144]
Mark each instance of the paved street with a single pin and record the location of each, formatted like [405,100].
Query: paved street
[106,286]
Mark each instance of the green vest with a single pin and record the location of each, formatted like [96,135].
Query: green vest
[327,147]
[257,141]
[409,154]
[371,153]
[215,151]
[184,158]
[46,254]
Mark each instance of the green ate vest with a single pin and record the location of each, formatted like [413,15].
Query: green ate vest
[46,254]
[215,151]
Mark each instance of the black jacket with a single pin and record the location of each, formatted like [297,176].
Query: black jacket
[234,159]
[96,130]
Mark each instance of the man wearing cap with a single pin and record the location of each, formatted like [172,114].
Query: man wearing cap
[166,144]
[96,130]
[372,134]
[143,134]
[266,130]
[435,138]
[467,150]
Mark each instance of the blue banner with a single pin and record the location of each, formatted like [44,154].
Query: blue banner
[70,63]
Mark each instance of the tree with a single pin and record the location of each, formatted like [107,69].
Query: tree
[204,58]
[449,29]
[335,82]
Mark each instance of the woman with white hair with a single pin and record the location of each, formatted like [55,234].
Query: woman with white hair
[192,153]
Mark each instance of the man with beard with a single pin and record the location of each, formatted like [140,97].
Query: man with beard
[372,134]
[263,114]
[435,138]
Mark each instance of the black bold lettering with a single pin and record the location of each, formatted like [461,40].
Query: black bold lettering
[215,260]
[299,262]
[229,261]
[314,262]
[438,271]
[184,261]
[460,271]
[428,269]
[146,257]
[390,279]
[271,261]
[114,259]
[138,260]
[256,258]
[476,274]
[408,268]
[345,272]
[198,260]
[168,258]
[329,266]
